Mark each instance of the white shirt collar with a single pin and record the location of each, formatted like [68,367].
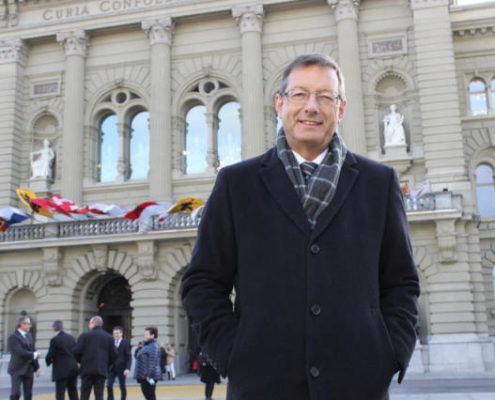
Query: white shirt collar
[317,160]
[22,332]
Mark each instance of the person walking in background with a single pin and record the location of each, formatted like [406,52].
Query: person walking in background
[121,366]
[148,371]
[64,369]
[170,358]
[95,352]
[23,362]
[207,374]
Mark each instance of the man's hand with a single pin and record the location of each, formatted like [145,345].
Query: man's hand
[126,372]
[37,373]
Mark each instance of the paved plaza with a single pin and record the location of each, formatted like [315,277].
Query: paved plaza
[415,387]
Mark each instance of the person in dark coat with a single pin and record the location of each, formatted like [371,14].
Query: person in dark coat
[61,355]
[314,239]
[95,352]
[122,364]
[208,375]
[23,362]
[148,370]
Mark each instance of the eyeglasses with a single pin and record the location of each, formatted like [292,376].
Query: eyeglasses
[301,96]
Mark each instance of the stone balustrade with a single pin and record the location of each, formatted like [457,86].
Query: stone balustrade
[434,201]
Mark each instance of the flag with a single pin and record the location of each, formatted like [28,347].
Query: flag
[26,196]
[66,204]
[50,205]
[186,205]
[425,188]
[11,215]
[145,219]
[134,214]
[103,209]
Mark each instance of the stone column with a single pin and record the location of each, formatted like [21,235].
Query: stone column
[250,20]
[159,33]
[438,94]
[212,153]
[75,45]
[123,162]
[13,57]
[353,128]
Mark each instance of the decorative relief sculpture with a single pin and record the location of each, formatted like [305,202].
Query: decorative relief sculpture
[42,161]
[393,131]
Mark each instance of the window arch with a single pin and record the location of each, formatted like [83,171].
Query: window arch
[124,142]
[485,190]
[478,97]
[139,146]
[212,134]
[196,140]
[229,134]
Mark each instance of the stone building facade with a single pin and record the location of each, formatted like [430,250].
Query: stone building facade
[67,68]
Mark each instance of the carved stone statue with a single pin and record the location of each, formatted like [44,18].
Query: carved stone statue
[393,131]
[42,161]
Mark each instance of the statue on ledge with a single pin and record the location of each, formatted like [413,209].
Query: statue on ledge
[393,130]
[42,161]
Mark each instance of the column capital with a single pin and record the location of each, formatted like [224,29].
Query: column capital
[249,18]
[345,9]
[13,50]
[75,42]
[159,30]
[416,4]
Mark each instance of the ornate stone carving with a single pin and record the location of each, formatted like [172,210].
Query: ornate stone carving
[75,42]
[159,30]
[13,50]
[100,253]
[52,266]
[415,4]
[345,9]
[147,259]
[249,18]
[446,238]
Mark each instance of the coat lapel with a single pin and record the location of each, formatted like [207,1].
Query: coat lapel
[348,176]
[277,182]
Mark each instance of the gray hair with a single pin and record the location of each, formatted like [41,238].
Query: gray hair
[96,320]
[306,60]
[58,325]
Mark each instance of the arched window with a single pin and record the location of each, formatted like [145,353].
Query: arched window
[139,146]
[477,97]
[124,140]
[229,134]
[212,128]
[485,191]
[196,140]
[108,149]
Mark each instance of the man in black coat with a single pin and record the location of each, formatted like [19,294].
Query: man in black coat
[64,369]
[95,352]
[314,239]
[23,362]
[121,365]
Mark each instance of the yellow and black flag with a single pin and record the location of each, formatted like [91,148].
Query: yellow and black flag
[25,195]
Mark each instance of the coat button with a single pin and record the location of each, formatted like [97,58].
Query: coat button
[316,309]
[315,249]
[314,372]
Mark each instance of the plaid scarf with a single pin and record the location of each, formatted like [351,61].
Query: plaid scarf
[321,187]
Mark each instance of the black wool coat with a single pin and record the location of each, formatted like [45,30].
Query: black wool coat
[123,360]
[61,355]
[95,352]
[320,314]
[21,355]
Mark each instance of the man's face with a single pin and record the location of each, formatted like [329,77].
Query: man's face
[26,325]
[117,334]
[309,126]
